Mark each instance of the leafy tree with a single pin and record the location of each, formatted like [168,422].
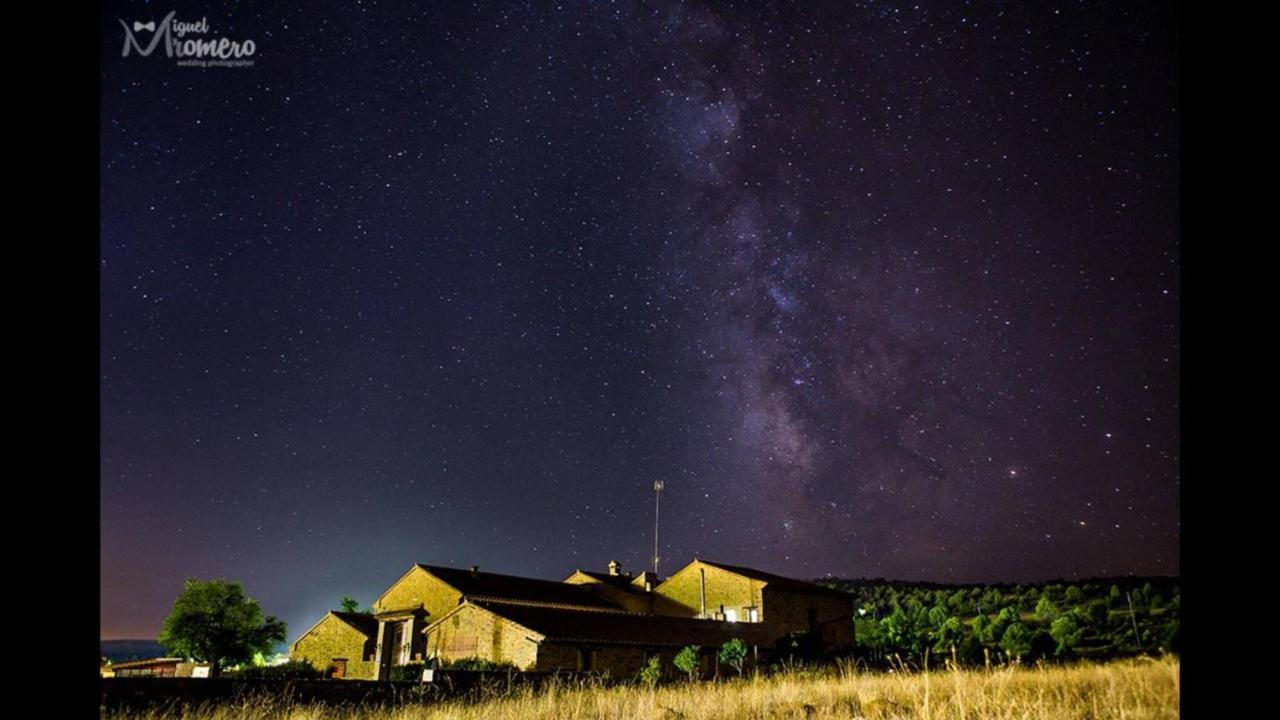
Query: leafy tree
[1073,596]
[1007,617]
[687,661]
[1046,610]
[213,621]
[351,605]
[937,616]
[652,671]
[982,630]
[734,654]
[1094,613]
[1016,640]
[907,631]
[1066,632]
[948,635]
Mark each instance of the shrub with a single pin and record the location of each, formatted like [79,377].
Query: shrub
[651,672]
[292,670]
[687,661]
[476,664]
[411,672]
[734,654]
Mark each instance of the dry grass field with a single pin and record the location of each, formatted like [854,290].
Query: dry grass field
[1132,689]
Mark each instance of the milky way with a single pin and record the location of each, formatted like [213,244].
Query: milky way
[877,289]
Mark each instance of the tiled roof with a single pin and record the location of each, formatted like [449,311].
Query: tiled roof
[365,623]
[132,664]
[625,629]
[622,582]
[779,582]
[494,585]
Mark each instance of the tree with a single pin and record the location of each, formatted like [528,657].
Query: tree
[351,605]
[213,621]
[948,635]
[687,661]
[1045,609]
[1066,632]
[652,671]
[1016,640]
[734,654]
[982,630]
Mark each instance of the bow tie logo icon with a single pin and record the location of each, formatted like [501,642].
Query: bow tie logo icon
[159,32]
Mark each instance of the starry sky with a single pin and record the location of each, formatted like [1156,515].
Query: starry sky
[876,288]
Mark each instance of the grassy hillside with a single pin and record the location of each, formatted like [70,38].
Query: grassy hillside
[1139,689]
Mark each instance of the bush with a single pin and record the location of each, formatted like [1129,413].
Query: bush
[292,670]
[734,654]
[687,661]
[476,665]
[652,671]
[407,673]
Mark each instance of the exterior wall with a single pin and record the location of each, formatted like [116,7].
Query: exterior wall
[473,632]
[789,612]
[618,661]
[557,656]
[780,612]
[333,638]
[626,661]
[683,591]
[419,587]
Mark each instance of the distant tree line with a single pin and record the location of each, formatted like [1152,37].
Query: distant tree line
[974,624]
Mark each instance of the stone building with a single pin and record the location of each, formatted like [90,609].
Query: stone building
[543,637]
[781,605]
[607,622]
[342,645]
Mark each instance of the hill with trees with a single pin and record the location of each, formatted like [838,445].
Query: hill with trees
[899,622]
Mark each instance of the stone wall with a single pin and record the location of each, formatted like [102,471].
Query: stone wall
[473,632]
[332,638]
[733,591]
[789,612]
[419,587]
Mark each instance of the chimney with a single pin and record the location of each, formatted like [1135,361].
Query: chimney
[614,567]
[702,584]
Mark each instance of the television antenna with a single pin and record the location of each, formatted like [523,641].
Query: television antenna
[658,486]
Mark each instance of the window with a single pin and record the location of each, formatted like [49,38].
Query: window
[753,615]
[731,615]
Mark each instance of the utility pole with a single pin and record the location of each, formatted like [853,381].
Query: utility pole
[1132,616]
[658,485]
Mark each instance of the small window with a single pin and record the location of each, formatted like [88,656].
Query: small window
[731,615]
[753,615]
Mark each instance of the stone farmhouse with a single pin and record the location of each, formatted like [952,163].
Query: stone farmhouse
[591,621]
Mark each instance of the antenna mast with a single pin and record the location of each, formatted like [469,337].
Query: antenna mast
[658,485]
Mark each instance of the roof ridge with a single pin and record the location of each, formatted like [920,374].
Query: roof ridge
[499,600]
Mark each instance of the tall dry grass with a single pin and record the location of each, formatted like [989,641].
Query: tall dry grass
[1134,690]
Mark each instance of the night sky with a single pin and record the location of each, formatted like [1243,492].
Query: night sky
[877,289]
